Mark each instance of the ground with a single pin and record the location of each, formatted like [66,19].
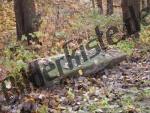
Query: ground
[121,89]
[124,88]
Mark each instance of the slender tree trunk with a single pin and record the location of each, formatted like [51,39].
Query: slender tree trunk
[109,7]
[93,4]
[25,17]
[148,4]
[131,16]
[144,4]
[100,6]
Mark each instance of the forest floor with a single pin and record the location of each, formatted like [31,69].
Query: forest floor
[124,88]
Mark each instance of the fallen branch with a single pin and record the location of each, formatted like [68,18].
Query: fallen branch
[46,71]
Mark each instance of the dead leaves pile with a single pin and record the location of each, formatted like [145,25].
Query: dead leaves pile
[124,88]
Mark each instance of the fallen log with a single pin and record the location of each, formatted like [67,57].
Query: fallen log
[48,71]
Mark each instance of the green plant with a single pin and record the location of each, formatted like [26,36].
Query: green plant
[43,109]
[16,58]
[92,107]
[127,102]
[70,94]
[60,34]
[34,35]
[126,46]
[145,35]
[105,102]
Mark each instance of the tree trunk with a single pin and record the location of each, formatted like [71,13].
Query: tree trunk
[109,7]
[93,4]
[144,4]
[25,18]
[44,72]
[100,6]
[131,16]
[148,4]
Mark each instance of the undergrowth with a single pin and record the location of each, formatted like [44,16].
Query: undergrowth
[15,57]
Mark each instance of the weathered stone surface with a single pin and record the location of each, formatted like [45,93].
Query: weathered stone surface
[43,73]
